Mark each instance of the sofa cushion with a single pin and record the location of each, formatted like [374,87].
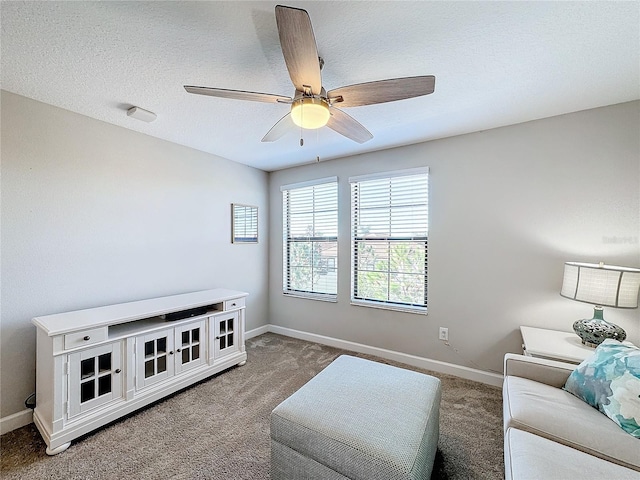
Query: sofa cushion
[609,380]
[528,456]
[559,416]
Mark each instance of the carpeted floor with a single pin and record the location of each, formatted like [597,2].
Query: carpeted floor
[219,429]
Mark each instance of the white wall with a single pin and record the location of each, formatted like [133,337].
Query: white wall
[507,208]
[94,214]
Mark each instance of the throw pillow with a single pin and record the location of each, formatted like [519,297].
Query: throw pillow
[609,380]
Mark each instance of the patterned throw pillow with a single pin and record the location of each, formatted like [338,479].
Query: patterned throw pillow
[609,380]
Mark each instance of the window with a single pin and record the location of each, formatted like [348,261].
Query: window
[310,224]
[389,238]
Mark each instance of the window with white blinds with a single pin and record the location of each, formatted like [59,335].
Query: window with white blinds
[310,231]
[389,239]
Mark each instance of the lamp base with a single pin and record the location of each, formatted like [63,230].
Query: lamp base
[594,331]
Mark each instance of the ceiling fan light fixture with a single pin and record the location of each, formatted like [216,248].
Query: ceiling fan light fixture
[310,112]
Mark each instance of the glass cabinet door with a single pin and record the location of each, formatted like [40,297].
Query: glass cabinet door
[190,346]
[95,377]
[154,358]
[225,334]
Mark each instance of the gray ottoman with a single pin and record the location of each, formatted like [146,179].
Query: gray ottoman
[357,419]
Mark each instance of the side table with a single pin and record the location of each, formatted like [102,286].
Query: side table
[554,345]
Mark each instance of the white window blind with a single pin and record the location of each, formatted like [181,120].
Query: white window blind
[389,239]
[310,238]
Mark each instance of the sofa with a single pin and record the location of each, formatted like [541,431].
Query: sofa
[551,434]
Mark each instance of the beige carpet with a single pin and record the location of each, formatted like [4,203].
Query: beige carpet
[219,429]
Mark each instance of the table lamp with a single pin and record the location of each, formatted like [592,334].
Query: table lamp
[601,285]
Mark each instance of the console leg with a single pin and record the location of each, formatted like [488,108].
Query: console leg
[242,363]
[59,449]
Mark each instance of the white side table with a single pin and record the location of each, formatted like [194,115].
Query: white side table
[554,345]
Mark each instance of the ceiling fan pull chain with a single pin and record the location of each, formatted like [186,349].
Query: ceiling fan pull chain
[301,123]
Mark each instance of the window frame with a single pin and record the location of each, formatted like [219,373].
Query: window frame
[360,300]
[287,240]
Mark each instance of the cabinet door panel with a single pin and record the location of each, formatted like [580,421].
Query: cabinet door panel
[225,334]
[154,358]
[190,346]
[95,377]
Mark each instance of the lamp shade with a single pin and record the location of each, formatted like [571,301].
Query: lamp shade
[603,285]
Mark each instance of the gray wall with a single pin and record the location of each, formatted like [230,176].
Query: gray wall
[507,208]
[94,214]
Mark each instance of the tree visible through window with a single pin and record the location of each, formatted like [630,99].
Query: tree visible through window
[390,224]
[310,221]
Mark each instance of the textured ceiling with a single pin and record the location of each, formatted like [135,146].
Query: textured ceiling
[496,63]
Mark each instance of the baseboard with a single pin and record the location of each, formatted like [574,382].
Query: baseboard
[17,420]
[481,376]
[256,331]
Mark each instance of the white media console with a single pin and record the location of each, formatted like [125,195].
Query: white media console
[93,366]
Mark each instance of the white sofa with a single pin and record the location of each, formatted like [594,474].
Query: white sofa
[551,434]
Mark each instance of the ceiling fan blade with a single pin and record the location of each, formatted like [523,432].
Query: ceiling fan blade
[299,48]
[238,94]
[284,125]
[348,126]
[383,91]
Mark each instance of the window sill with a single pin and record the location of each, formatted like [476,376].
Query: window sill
[386,306]
[320,298]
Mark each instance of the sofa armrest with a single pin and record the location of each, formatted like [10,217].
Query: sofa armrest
[540,370]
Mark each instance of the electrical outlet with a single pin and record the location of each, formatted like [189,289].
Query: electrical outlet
[444,334]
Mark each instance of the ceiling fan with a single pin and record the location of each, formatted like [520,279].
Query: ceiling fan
[312,106]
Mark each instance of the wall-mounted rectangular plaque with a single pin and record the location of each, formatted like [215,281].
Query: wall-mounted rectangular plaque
[244,223]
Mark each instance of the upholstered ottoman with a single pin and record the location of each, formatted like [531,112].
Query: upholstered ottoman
[357,419]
